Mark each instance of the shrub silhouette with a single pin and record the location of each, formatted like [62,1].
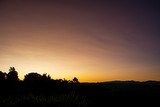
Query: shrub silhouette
[45,77]
[3,76]
[75,80]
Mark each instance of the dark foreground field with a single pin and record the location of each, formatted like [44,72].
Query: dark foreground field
[64,94]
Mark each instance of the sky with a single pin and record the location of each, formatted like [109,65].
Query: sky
[93,40]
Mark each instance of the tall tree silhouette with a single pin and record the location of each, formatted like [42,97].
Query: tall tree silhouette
[12,75]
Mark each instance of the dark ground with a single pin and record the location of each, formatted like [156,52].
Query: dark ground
[54,93]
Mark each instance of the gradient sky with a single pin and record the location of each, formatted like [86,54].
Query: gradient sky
[94,40]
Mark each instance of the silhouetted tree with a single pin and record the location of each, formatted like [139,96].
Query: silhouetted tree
[12,75]
[3,75]
[75,80]
[32,77]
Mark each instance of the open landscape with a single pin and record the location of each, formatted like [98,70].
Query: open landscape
[79,53]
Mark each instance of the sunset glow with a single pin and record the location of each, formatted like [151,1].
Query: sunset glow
[91,40]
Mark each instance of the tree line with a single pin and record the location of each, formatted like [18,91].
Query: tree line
[35,83]
[12,75]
